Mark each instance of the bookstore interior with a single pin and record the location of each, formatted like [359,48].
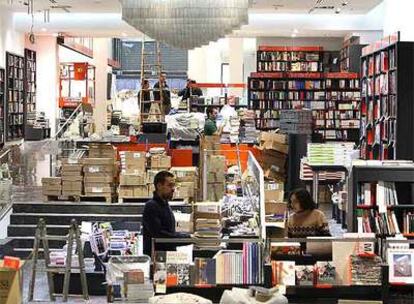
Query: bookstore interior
[220,151]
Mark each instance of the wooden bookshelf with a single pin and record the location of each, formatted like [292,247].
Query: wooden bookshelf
[15,96]
[289,59]
[387,107]
[343,98]
[2,104]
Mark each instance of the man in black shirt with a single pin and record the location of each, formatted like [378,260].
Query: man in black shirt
[166,94]
[158,218]
[190,90]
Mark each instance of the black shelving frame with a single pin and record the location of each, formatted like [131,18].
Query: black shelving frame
[30,66]
[15,105]
[401,144]
[403,177]
[2,105]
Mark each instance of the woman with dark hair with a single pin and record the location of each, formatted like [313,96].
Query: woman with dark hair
[306,219]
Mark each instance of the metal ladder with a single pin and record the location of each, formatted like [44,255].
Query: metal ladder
[73,236]
[156,109]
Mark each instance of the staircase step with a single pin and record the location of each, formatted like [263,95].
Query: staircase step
[87,208]
[29,230]
[65,219]
[27,242]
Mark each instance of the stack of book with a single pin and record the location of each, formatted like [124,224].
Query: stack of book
[335,154]
[207,217]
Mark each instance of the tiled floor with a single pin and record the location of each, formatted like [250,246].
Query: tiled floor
[29,163]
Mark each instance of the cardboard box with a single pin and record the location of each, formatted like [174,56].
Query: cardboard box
[275,208]
[273,160]
[51,181]
[99,169]
[184,190]
[47,192]
[141,191]
[72,178]
[126,191]
[98,161]
[51,187]
[274,195]
[215,177]
[72,186]
[10,286]
[71,193]
[134,169]
[130,157]
[98,189]
[151,189]
[71,161]
[133,179]
[102,150]
[150,176]
[216,163]
[185,174]
[215,191]
[275,137]
[160,162]
[72,168]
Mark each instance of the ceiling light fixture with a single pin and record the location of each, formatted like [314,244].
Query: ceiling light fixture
[338,10]
[46,15]
[345,3]
[295,31]
[185,24]
[44,29]
[55,35]
[293,35]
[124,34]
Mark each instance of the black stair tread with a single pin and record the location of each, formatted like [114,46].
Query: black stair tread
[76,215]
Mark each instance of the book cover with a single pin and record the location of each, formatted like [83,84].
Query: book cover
[284,273]
[304,275]
[326,273]
[172,276]
[183,275]
[160,277]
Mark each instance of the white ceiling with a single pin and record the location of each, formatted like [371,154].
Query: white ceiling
[314,6]
[102,18]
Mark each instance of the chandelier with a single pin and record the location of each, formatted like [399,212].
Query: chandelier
[185,24]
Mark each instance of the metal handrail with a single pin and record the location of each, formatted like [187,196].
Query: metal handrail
[67,121]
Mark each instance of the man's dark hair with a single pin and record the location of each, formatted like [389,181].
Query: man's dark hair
[210,110]
[145,81]
[304,198]
[161,176]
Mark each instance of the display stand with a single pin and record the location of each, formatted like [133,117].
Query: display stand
[403,175]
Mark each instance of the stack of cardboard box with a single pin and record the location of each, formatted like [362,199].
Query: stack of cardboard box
[186,182]
[274,194]
[52,186]
[99,176]
[72,178]
[216,167]
[133,178]
[274,148]
[160,161]
[102,151]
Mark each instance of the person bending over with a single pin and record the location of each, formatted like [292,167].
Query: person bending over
[158,218]
[306,220]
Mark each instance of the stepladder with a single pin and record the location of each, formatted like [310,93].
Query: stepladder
[74,247]
[151,101]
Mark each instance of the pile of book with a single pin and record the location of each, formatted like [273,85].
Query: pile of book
[366,271]
[207,224]
[248,131]
[338,154]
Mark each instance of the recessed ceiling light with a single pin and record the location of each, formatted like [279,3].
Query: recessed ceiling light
[124,34]
[295,31]
[55,34]
[293,35]
[44,29]
[338,10]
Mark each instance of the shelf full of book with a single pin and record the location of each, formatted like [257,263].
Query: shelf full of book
[30,86]
[381,200]
[342,116]
[289,59]
[2,104]
[15,96]
[386,108]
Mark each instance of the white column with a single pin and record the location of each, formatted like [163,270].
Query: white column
[100,54]
[398,17]
[47,73]
[236,63]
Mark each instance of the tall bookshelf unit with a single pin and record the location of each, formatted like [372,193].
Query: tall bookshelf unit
[30,85]
[15,96]
[267,96]
[350,55]
[387,108]
[2,105]
[342,107]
